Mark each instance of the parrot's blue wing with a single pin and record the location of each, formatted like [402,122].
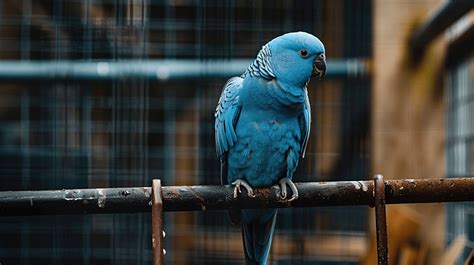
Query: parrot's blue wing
[305,125]
[227,113]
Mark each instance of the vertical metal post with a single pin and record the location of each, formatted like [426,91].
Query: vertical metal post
[380,220]
[157,222]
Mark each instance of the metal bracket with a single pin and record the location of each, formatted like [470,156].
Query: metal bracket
[380,220]
[157,222]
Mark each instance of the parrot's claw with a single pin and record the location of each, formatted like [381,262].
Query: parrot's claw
[243,183]
[283,192]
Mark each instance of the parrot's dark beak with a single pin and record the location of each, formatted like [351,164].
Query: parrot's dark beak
[319,66]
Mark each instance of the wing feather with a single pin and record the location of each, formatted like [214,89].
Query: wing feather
[305,125]
[227,114]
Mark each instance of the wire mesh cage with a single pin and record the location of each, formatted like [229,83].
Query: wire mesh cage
[460,148]
[76,133]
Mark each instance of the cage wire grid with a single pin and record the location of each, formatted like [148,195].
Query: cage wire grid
[89,133]
[459,85]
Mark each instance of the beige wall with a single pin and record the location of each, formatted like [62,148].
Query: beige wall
[408,117]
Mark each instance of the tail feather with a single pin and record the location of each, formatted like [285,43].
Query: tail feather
[235,217]
[257,232]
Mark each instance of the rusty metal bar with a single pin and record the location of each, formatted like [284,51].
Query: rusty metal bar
[380,220]
[157,222]
[200,198]
[77,201]
[442,18]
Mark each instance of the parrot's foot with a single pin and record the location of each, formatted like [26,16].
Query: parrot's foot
[283,192]
[243,183]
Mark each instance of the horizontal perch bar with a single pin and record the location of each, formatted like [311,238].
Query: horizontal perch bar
[199,198]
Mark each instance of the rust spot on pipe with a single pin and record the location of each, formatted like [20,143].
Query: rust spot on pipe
[101,198]
[70,195]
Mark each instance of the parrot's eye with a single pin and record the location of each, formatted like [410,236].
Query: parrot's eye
[304,53]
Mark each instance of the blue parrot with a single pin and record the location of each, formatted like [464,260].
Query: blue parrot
[262,124]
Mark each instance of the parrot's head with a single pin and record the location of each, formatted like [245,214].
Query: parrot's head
[297,56]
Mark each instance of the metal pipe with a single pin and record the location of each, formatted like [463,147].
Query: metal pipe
[157,222]
[201,198]
[380,220]
[161,70]
[441,19]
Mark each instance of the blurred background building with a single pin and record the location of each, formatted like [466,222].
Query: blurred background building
[112,93]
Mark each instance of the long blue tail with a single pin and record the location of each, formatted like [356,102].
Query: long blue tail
[258,226]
